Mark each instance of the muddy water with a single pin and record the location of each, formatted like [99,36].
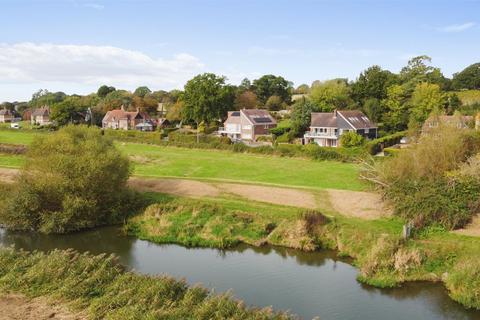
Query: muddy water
[307,284]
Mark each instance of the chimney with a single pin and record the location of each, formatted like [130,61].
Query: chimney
[122,108]
[335,112]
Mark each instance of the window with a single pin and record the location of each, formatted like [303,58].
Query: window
[366,130]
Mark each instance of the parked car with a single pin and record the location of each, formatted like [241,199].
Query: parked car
[15,125]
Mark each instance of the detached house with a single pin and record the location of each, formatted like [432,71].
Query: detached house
[127,120]
[456,121]
[327,127]
[6,115]
[248,124]
[41,116]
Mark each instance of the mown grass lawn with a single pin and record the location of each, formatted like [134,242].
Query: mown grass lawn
[14,136]
[11,161]
[156,161]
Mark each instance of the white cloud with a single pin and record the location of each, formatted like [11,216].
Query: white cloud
[88,66]
[95,6]
[458,27]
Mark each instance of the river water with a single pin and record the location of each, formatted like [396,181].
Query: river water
[306,284]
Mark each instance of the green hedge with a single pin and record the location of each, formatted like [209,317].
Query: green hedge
[189,140]
[375,146]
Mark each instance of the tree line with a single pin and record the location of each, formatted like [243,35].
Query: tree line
[396,101]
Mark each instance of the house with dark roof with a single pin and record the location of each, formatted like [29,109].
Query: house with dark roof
[127,120]
[327,127]
[41,116]
[6,115]
[247,124]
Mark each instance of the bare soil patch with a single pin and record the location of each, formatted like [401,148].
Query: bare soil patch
[358,204]
[365,205]
[189,188]
[473,229]
[18,307]
[281,196]
[8,175]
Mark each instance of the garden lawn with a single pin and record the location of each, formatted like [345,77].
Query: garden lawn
[15,136]
[11,161]
[157,161]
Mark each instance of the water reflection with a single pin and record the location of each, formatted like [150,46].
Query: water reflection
[308,284]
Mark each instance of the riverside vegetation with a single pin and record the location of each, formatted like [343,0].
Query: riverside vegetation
[103,289]
[384,259]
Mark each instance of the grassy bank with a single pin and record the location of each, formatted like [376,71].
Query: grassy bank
[105,290]
[384,259]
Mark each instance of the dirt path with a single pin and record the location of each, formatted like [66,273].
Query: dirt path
[18,307]
[179,187]
[473,229]
[282,196]
[8,175]
[365,205]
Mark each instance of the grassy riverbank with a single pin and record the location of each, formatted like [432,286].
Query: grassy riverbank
[384,259]
[105,290]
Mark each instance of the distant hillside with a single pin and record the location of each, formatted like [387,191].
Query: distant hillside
[469,97]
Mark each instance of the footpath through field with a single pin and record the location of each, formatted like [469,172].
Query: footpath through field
[358,204]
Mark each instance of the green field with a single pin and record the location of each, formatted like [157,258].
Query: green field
[15,136]
[156,161]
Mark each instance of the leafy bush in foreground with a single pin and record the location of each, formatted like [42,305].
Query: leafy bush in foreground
[102,287]
[73,179]
[435,182]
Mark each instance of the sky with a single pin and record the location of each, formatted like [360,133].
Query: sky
[75,46]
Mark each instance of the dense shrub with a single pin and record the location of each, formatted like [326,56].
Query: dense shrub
[375,146]
[463,282]
[351,139]
[72,179]
[435,181]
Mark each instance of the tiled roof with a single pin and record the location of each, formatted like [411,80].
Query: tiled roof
[43,111]
[357,119]
[259,116]
[120,114]
[323,119]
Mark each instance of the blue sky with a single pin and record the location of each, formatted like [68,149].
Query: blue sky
[77,45]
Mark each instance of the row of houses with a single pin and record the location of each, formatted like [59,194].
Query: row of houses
[39,116]
[325,127]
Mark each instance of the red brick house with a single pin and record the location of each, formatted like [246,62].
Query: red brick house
[127,120]
[248,124]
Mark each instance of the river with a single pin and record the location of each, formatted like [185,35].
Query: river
[307,284]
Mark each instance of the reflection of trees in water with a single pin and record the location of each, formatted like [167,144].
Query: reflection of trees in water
[433,295]
[102,240]
[316,258]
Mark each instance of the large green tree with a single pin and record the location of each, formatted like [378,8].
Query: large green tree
[396,115]
[426,98]
[207,98]
[301,115]
[372,83]
[104,90]
[331,94]
[270,85]
[142,91]
[72,180]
